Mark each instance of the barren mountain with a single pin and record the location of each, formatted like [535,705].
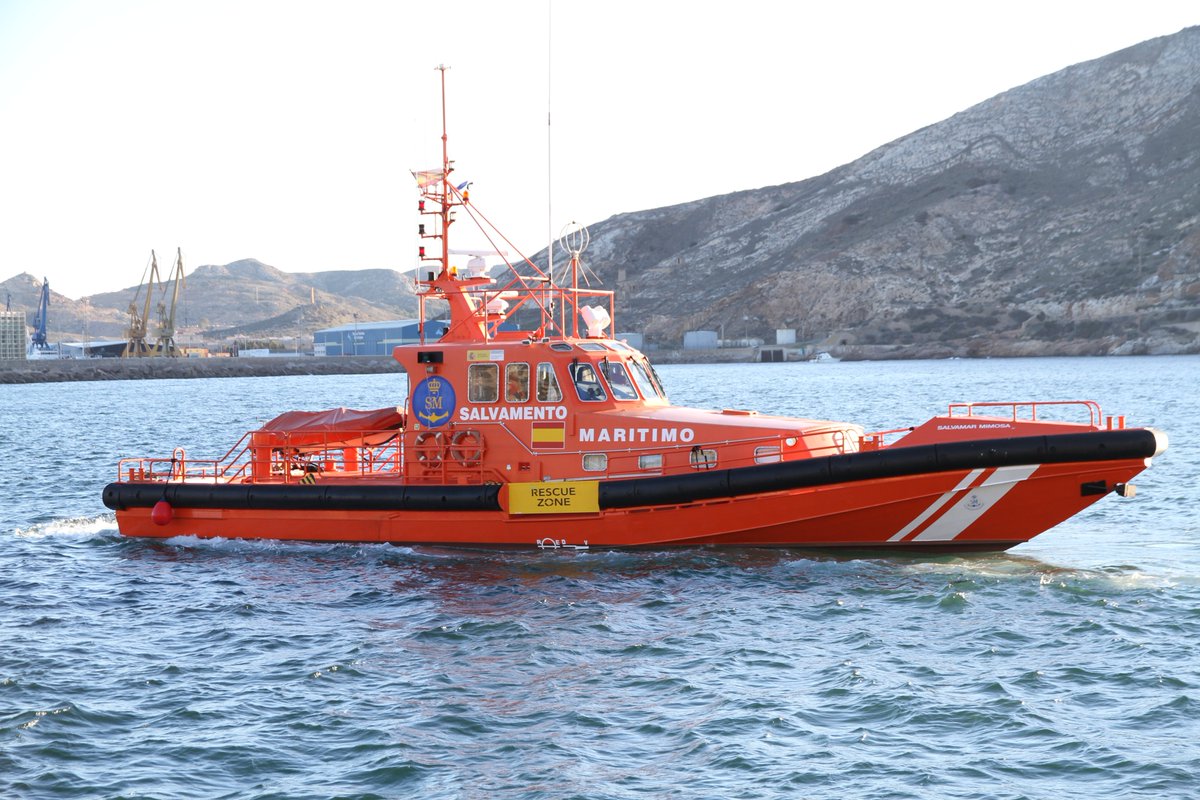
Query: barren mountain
[247,293]
[1061,216]
[68,319]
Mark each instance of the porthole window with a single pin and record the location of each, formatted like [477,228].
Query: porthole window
[703,458]
[595,462]
[651,461]
[766,455]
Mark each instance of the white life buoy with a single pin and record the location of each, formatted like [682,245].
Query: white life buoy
[466,447]
[430,447]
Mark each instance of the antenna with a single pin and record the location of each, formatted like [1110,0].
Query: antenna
[549,142]
[574,239]
[549,160]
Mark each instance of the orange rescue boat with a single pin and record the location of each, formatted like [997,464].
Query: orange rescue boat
[528,424]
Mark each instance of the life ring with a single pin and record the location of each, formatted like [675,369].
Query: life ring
[430,447]
[466,447]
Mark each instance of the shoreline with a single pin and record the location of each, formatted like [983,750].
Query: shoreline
[47,370]
[14,371]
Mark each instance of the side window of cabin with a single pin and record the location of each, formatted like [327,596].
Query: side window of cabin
[483,381]
[618,380]
[702,458]
[547,384]
[587,382]
[516,383]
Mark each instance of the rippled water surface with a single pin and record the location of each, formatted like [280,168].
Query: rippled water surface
[1066,668]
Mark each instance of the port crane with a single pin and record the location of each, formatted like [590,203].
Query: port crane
[165,343]
[136,344]
[38,338]
[135,334]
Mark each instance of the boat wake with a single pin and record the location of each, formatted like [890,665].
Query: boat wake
[1009,567]
[70,526]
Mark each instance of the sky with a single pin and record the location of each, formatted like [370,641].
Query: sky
[285,130]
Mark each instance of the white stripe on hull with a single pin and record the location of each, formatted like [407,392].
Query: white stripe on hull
[975,504]
[933,508]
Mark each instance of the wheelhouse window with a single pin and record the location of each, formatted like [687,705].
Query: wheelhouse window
[587,382]
[642,379]
[483,382]
[547,384]
[658,384]
[618,380]
[516,383]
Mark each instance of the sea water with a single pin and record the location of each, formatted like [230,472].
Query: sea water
[1068,667]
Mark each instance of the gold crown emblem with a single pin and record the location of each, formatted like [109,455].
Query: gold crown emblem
[434,385]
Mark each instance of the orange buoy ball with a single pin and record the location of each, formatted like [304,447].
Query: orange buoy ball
[162,513]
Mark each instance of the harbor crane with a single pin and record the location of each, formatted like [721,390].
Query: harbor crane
[165,343]
[135,334]
[38,338]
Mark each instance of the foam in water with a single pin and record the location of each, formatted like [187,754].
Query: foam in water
[70,526]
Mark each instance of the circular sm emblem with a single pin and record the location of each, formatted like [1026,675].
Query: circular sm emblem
[433,401]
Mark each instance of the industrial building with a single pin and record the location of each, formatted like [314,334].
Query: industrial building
[14,338]
[701,340]
[371,338]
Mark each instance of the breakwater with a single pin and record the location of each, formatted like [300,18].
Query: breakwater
[116,369]
[47,370]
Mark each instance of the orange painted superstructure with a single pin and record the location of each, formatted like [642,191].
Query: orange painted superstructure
[528,424]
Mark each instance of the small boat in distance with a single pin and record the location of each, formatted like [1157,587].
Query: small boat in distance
[527,423]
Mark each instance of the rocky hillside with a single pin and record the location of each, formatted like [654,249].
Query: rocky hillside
[245,298]
[1062,216]
[250,296]
[68,319]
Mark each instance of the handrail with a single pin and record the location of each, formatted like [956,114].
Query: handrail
[1093,408]
[875,440]
[626,462]
[298,456]
[286,456]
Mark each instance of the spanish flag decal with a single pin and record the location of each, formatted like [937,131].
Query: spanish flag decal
[549,435]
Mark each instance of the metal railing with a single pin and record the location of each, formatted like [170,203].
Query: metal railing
[286,457]
[1033,406]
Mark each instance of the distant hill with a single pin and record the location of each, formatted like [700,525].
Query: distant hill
[1062,216]
[250,297]
[68,319]
[246,298]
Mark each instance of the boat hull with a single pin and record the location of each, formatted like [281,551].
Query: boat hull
[979,495]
